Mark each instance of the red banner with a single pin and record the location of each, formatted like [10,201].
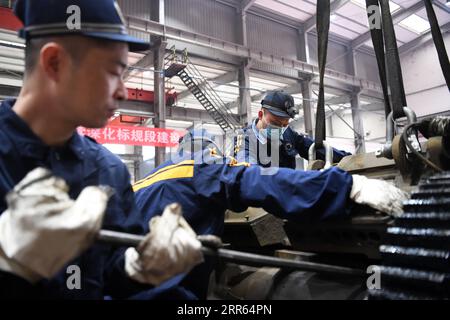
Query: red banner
[137,136]
[8,20]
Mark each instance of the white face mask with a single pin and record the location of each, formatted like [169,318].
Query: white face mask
[272,131]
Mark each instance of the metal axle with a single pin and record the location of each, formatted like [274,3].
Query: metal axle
[249,259]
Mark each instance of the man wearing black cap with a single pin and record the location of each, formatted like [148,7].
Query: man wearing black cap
[73,77]
[270,132]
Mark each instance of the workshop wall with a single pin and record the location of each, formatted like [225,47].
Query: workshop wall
[425,87]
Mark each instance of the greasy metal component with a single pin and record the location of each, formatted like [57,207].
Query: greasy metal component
[386,294]
[386,150]
[359,235]
[316,165]
[247,283]
[237,282]
[420,220]
[119,238]
[295,255]
[328,154]
[436,154]
[249,215]
[425,238]
[416,257]
[416,252]
[250,259]
[369,165]
[254,228]
[423,279]
[400,156]
[210,241]
[318,287]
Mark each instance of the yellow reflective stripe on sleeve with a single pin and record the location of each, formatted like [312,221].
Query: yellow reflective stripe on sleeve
[164,169]
[183,169]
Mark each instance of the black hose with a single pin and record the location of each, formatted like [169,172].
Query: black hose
[417,153]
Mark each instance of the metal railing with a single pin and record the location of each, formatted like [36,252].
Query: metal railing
[194,80]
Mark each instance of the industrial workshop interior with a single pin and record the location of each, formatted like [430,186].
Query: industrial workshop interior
[225,150]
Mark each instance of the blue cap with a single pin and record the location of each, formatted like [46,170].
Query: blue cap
[279,104]
[97,18]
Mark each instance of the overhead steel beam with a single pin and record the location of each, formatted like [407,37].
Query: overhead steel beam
[424,38]
[145,62]
[246,4]
[234,49]
[338,100]
[293,89]
[377,106]
[396,18]
[441,6]
[215,82]
[298,88]
[334,6]
[144,109]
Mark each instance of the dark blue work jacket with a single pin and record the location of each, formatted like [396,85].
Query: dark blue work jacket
[206,186]
[80,162]
[249,149]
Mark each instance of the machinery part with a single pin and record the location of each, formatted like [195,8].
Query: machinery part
[437,153]
[246,283]
[416,252]
[400,156]
[405,136]
[242,282]
[386,150]
[410,168]
[361,235]
[367,164]
[328,154]
[316,165]
[254,228]
[210,241]
[251,259]
[435,126]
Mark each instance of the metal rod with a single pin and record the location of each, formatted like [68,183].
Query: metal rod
[250,259]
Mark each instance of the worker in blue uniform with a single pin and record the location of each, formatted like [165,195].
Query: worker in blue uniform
[51,207]
[206,184]
[258,142]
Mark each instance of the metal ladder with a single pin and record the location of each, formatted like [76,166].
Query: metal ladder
[202,91]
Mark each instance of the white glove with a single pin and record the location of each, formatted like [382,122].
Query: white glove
[43,228]
[378,194]
[170,248]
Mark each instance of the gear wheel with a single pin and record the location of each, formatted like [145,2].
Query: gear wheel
[416,253]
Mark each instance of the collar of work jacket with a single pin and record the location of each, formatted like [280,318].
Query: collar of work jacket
[27,142]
